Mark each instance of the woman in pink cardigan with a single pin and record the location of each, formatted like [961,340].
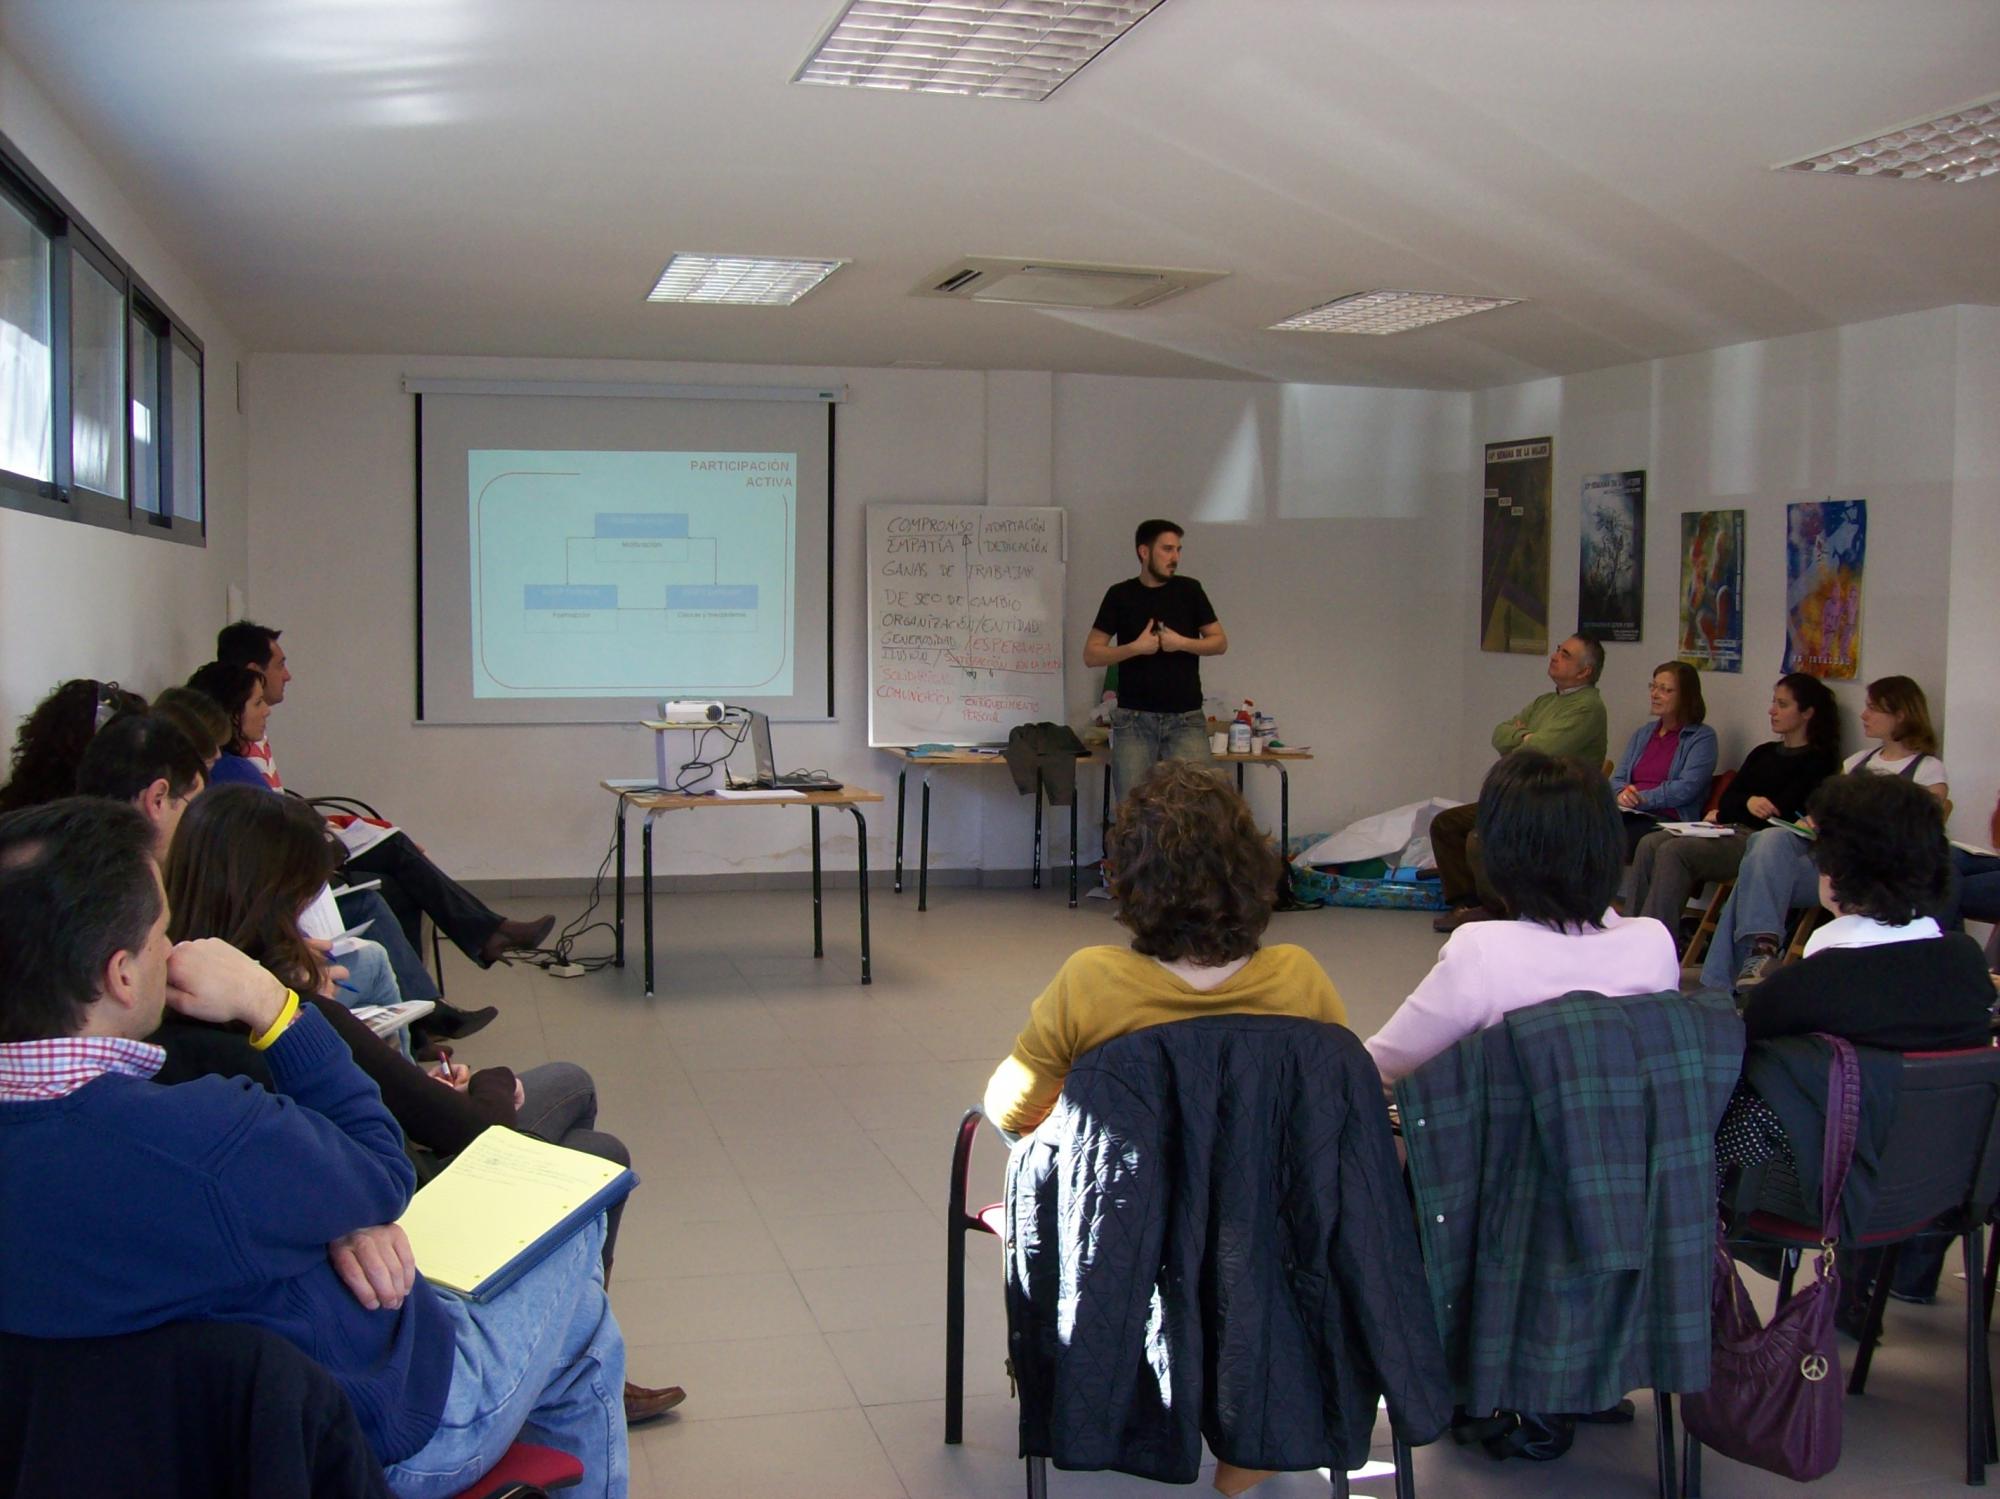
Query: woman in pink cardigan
[1553,848]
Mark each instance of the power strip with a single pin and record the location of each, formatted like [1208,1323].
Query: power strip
[567,970]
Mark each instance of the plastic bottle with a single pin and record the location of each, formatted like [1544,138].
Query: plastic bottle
[1240,729]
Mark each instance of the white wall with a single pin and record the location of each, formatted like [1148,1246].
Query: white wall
[1870,411]
[1319,519]
[1972,678]
[81,601]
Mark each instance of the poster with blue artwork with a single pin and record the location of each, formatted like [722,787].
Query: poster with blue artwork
[1826,545]
[1611,565]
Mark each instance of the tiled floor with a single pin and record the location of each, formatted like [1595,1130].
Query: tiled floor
[784,1259]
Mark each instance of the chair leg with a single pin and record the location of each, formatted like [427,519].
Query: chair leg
[1787,1273]
[954,1281]
[1406,1469]
[437,961]
[1663,1420]
[1978,1408]
[1038,1478]
[1871,1327]
[1336,1479]
[1690,1464]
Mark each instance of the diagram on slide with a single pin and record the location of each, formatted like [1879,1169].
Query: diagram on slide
[631,574]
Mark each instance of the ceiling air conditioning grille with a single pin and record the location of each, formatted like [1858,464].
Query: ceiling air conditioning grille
[1051,283]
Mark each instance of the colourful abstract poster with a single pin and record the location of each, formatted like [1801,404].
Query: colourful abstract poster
[1826,543]
[1712,589]
[1514,566]
[1611,565]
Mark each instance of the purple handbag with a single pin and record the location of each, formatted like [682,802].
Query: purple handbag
[1774,1389]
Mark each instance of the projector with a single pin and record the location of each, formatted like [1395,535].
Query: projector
[690,710]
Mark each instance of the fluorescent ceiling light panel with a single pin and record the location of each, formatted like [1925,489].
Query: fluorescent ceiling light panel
[1956,147]
[1006,49]
[742,280]
[1387,312]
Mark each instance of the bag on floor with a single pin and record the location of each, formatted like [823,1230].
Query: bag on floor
[1774,1389]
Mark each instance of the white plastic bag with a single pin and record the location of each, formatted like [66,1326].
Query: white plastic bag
[1385,835]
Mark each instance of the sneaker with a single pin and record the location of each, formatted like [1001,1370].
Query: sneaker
[1756,968]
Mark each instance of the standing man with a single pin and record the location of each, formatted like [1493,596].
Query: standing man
[1567,722]
[1152,628]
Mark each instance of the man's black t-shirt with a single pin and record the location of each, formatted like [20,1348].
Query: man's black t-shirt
[1166,681]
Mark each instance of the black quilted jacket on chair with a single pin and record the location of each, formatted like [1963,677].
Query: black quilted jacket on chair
[1210,1238]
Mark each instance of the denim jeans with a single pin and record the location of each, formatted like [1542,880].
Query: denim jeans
[1139,741]
[411,978]
[1776,875]
[544,1362]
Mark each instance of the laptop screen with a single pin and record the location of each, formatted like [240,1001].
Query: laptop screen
[760,747]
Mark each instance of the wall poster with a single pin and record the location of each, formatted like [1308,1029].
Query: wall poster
[1712,589]
[1826,543]
[1514,565]
[1611,564]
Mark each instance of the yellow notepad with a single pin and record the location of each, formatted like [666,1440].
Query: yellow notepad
[503,1203]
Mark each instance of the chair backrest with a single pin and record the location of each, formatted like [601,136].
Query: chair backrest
[1943,1151]
[1715,789]
[206,1410]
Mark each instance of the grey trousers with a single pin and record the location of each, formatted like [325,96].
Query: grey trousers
[560,1106]
[1666,871]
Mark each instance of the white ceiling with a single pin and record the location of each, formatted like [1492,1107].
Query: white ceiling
[509,176]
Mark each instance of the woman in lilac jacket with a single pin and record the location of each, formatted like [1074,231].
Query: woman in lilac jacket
[1664,771]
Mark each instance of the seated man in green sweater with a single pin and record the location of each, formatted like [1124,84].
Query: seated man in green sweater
[1567,722]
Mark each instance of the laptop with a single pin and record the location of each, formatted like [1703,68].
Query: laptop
[767,777]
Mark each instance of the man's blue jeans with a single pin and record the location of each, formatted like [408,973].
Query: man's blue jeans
[411,978]
[1139,741]
[541,1362]
[1776,875]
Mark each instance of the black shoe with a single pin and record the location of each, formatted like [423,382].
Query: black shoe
[450,1023]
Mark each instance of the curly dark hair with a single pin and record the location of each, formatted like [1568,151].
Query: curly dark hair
[244,863]
[1551,839]
[52,738]
[1809,693]
[1193,876]
[1881,843]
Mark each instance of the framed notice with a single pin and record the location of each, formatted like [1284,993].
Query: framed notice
[1514,556]
[1711,624]
[1611,562]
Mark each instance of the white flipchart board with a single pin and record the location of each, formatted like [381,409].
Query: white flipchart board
[965,622]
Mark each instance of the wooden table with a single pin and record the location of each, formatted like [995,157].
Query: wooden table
[1096,757]
[653,803]
[1278,760]
[966,757]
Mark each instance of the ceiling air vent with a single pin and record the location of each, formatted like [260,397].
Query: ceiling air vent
[1048,283]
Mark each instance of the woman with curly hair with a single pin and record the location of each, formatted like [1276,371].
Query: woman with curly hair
[52,738]
[1195,881]
[1554,848]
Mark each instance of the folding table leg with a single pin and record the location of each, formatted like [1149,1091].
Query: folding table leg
[924,850]
[646,894]
[819,947]
[618,938]
[902,776]
[1072,849]
[1036,878]
[861,868]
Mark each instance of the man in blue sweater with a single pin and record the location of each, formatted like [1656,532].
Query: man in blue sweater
[125,1204]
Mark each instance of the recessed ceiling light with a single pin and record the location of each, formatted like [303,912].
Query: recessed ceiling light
[752,280]
[1387,312]
[1007,49]
[1955,147]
